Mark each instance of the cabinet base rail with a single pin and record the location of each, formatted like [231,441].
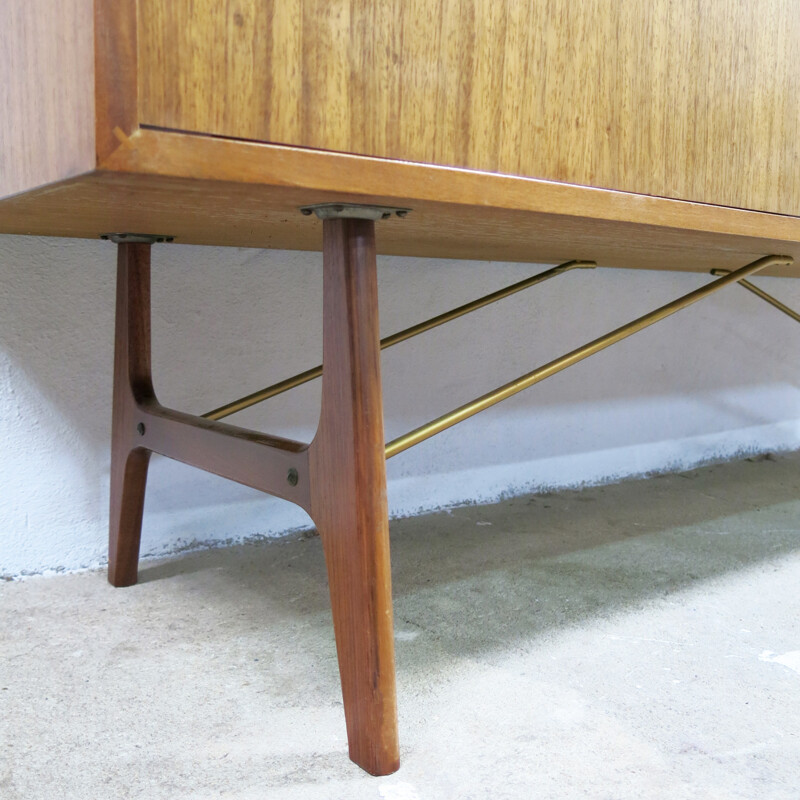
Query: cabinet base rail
[339,478]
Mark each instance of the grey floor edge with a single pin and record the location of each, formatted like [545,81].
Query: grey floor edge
[639,640]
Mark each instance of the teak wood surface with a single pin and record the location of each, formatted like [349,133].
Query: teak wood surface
[689,99]
[47,93]
[686,124]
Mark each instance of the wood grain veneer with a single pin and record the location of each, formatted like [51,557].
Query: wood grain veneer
[46,92]
[691,99]
[210,190]
[116,59]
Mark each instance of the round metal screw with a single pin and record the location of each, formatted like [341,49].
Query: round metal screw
[140,429]
[292,477]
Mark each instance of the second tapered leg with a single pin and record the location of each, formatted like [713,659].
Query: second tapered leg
[348,494]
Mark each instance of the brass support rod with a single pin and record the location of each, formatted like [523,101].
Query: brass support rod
[773,301]
[557,365]
[396,338]
[481,302]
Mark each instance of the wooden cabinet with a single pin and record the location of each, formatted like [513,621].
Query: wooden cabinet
[636,134]
[683,99]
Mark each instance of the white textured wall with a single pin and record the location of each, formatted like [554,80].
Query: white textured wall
[715,381]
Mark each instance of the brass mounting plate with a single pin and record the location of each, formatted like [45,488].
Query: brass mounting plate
[353,211]
[136,238]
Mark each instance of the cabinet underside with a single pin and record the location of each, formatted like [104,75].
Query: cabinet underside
[205,190]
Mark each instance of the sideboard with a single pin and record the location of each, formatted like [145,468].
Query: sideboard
[661,134]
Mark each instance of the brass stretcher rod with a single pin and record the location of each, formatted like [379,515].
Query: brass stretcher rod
[396,338]
[773,301]
[573,357]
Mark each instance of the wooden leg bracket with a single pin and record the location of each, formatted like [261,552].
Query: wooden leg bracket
[140,426]
[339,479]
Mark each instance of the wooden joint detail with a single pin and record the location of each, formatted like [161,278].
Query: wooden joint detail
[116,77]
[268,463]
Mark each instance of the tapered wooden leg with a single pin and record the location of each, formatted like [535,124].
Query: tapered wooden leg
[132,382]
[128,479]
[348,493]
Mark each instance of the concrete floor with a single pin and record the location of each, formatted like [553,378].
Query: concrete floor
[640,640]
